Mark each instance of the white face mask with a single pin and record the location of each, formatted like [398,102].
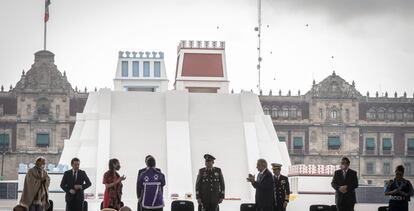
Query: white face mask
[343,167]
[43,166]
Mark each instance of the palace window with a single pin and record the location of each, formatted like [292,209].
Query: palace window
[334,142]
[399,114]
[371,114]
[1,110]
[146,69]
[42,140]
[369,143]
[299,113]
[386,144]
[157,69]
[4,141]
[320,113]
[407,169]
[124,68]
[390,114]
[275,111]
[29,109]
[292,112]
[57,111]
[334,114]
[297,143]
[370,168]
[347,114]
[135,69]
[381,114]
[410,114]
[285,112]
[282,138]
[410,144]
[386,168]
[266,110]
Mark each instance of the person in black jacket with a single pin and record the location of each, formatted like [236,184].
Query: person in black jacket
[74,182]
[139,206]
[345,181]
[264,187]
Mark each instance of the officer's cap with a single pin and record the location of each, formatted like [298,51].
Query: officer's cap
[209,157]
[276,165]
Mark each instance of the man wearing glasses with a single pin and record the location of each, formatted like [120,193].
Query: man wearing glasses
[345,181]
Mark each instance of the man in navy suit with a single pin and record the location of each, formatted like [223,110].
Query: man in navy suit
[139,206]
[345,181]
[74,182]
[264,187]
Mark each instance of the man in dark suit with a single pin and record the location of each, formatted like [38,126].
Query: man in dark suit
[264,187]
[74,182]
[345,181]
[139,206]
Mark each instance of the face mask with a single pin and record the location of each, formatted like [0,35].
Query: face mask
[43,166]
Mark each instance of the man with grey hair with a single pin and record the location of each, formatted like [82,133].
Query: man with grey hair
[264,187]
[35,195]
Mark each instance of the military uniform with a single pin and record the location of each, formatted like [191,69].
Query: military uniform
[281,190]
[209,187]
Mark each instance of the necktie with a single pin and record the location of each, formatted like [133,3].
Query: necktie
[344,173]
[75,175]
[259,177]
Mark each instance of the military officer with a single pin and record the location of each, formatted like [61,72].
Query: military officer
[209,186]
[281,188]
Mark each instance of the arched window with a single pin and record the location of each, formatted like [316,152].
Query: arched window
[285,112]
[390,114]
[371,114]
[299,113]
[275,111]
[399,114]
[292,112]
[57,111]
[381,113]
[266,110]
[408,115]
[334,114]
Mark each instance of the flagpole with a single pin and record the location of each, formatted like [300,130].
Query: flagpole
[45,20]
[44,36]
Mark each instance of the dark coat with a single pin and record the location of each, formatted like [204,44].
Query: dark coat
[68,182]
[264,190]
[210,185]
[282,189]
[351,180]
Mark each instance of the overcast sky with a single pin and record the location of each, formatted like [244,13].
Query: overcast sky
[371,40]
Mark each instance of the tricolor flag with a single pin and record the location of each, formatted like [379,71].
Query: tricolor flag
[47,3]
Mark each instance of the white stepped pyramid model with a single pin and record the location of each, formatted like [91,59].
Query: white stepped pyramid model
[177,127]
